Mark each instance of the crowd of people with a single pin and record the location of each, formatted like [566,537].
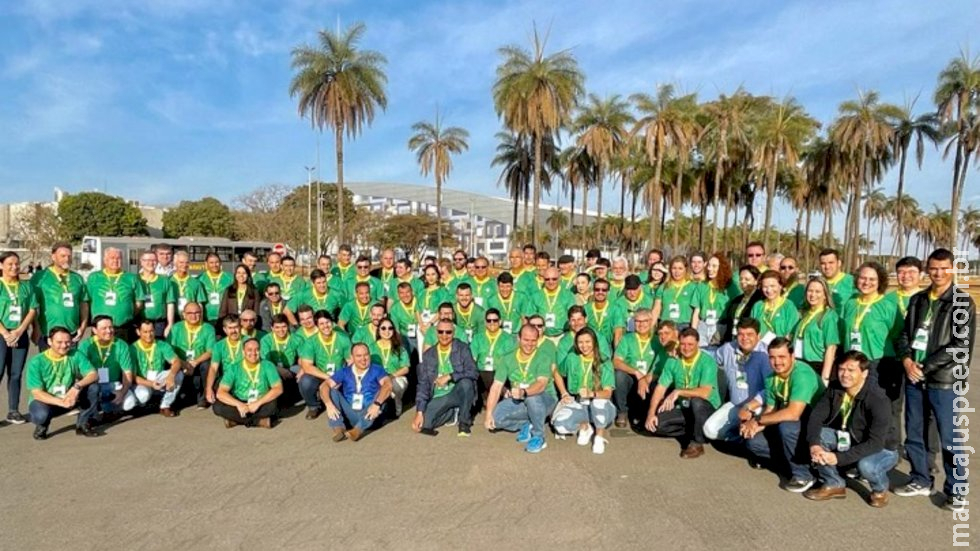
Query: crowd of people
[811,377]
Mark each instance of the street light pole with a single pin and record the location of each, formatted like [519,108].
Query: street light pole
[319,218]
[309,208]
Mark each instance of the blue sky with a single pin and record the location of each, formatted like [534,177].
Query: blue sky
[164,100]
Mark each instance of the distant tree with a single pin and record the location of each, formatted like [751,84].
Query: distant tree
[412,232]
[207,217]
[37,227]
[279,213]
[94,213]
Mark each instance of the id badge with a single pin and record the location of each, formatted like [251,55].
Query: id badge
[549,320]
[426,316]
[674,311]
[148,302]
[103,375]
[110,298]
[469,334]
[181,303]
[921,341]
[741,382]
[214,299]
[488,364]
[711,317]
[630,325]
[843,440]
[768,338]
[357,402]
[412,330]
[59,391]
[189,355]
[856,340]
[331,368]
[14,313]
[685,403]
[478,301]
[152,375]
[508,326]
[68,300]
[798,349]
[286,298]
[641,365]
[253,395]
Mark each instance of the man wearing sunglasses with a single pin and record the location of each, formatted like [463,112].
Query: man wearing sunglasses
[487,346]
[605,318]
[458,274]
[363,275]
[484,286]
[446,312]
[793,290]
[447,384]
[553,302]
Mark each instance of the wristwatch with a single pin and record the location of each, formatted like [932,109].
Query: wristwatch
[379,405]
[76,387]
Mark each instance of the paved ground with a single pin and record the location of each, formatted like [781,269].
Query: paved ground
[188,483]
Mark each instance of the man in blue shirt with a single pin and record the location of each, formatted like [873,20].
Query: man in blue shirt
[745,364]
[355,395]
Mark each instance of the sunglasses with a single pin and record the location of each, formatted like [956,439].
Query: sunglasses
[273,293]
[444,332]
[493,320]
[364,267]
[600,290]
[787,267]
[551,279]
[480,266]
[537,325]
[754,255]
[386,328]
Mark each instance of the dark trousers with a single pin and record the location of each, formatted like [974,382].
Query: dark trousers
[891,379]
[625,397]
[792,456]
[686,424]
[484,383]
[440,411]
[88,400]
[225,411]
[309,388]
[921,404]
[12,360]
[201,381]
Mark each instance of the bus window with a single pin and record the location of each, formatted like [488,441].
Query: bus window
[90,245]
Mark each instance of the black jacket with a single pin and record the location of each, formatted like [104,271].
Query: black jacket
[728,321]
[464,367]
[944,334]
[870,424]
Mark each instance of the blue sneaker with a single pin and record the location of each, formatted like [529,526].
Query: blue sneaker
[524,435]
[536,445]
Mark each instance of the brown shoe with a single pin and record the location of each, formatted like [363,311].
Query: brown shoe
[354,434]
[693,451]
[824,493]
[622,421]
[229,424]
[313,413]
[339,435]
[265,423]
[167,412]
[878,499]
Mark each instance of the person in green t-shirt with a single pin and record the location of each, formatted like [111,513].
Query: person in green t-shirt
[529,371]
[17,312]
[113,362]
[156,371]
[487,346]
[432,295]
[446,385]
[514,307]
[553,301]
[633,299]
[320,296]
[469,315]
[292,286]
[446,312]
[192,340]
[841,284]
[249,321]
[357,313]
[363,275]
[58,380]
[681,413]
[318,359]
[184,288]
[214,281]
[606,318]
[61,297]
[484,286]
[368,332]
[249,390]
[158,302]
[586,407]
[306,328]
[793,290]
[867,319]
[635,362]
[711,301]
[281,347]
[344,268]
[116,293]
[675,298]
[777,316]
[225,353]
[403,274]
[791,390]
[404,311]
[388,351]
[817,335]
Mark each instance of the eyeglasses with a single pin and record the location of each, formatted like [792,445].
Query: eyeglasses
[551,279]
[273,293]
[192,313]
[601,290]
[444,332]
[480,266]
[787,267]
[247,319]
[493,320]
[363,267]
[386,328]
[537,325]
[460,259]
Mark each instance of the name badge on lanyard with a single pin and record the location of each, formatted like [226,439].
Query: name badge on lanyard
[148,301]
[921,341]
[181,303]
[856,341]
[711,317]
[59,391]
[479,301]
[67,300]
[110,298]
[253,395]
[741,382]
[798,349]
[641,365]
[843,440]
[508,326]
[412,330]
[488,364]
[152,375]
[14,313]
[103,375]
[214,299]
[674,311]
[357,401]
[549,320]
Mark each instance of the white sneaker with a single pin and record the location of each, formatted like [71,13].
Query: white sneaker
[584,436]
[599,445]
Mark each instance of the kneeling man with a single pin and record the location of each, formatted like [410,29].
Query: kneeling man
[447,384]
[355,395]
[248,390]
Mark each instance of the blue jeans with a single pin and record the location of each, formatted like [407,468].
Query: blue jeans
[511,415]
[88,399]
[440,411]
[599,413]
[309,389]
[723,424]
[12,360]
[785,435]
[874,468]
[349,416]
[920,404]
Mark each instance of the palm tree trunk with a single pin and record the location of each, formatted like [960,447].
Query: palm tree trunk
[438,215]
[622,204]
[715,193]
[867,230]
[571,207]
[881,237]
[806,244]
[585,206]
[633,239]
[898,204]
[538,139]
[954,209]
[770,199]
[855,242]
[728,208]
[517,199]
[655,198]
[598,217]
[339,137]
[677,205]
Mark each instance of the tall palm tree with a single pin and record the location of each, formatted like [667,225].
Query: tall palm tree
[339,86]
[783,131]
[970,225]
[957,97]
[863,131]
[434,147]
[514,154]
[556,221]
[908,128]
[535,94]
[600,126]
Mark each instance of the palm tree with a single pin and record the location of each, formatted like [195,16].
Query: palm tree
[515,156]
[921,129]
[339,86]
[601,128]
[783,130]
[970,224]
[535,94]
[902,216]
[956,97]
[864,132]
[874,209]
[556,221]
[434,147]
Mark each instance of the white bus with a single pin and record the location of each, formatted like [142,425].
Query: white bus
[89,258]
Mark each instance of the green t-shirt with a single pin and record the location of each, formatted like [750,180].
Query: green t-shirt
[554,309]
[796,293]
[472,322]
[455,280]
[815,333]
[405,318]
[430,299]
[343,272]
[778,321]
[566,346]
[59,299]
[55,377]
[155,358]
[250,385]
[159,293]
[710,302]
[417,288]
[377,289]
[841,289]
[225,353]
[281,353]
[293,291]
[115,295]
[191,344]
[331,302]
[114,359]
[327,356]
[802,385]
[185,291]
[578,375]
[387,358]
[629,307]
[487,349]
[354,315]
[364,335]
[305,335]
[483,291]
[603,321]
[866,326]
[526,371]
[526,282]
[640,356]
[703,372]
[443,367]
[214,288]
[15,302]
[901,310]
[512,310]
[677,301]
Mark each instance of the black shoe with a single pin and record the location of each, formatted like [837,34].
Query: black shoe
[429,432]
[756,464]
[955,503]
[464,431]
[40,433]
[15,418]
[87,431]
[798,486]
